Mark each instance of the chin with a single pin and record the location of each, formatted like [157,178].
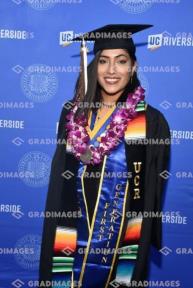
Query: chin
[112,91]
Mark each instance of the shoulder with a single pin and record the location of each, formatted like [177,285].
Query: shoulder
[157,123]
[65,109]
[154,114]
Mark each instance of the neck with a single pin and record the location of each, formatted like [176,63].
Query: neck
[108,98]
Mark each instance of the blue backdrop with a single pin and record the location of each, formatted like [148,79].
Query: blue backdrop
[37,75]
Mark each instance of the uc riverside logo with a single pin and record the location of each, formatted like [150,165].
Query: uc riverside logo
[167,39]
[41,4]
[29,248]
[133,7]
[38,83]
[66,38]
[37,165]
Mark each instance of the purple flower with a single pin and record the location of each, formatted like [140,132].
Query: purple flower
[77,134]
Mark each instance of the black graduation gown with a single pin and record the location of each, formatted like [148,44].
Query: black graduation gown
[157,160]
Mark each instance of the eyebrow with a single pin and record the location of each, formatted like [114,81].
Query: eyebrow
[125,55]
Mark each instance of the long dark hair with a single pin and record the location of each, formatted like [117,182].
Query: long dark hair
[93,95]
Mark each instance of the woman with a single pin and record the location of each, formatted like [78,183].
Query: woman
[106,176]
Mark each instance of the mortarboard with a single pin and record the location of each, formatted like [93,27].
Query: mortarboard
[113,36]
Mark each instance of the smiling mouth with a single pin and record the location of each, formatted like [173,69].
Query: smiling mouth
[111,80]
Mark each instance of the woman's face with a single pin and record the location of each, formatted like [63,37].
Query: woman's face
[115,68]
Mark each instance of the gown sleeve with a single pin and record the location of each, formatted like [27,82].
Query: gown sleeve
[51,205]
[162,164]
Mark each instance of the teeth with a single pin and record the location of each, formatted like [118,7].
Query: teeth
[112,80]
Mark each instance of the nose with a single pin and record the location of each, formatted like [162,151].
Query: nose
[111,68]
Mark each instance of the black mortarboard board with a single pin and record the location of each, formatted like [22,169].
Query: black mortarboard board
[113,36]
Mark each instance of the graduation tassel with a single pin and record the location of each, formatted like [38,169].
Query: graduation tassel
[83,79]
[84,61]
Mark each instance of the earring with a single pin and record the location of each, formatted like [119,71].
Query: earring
[131,79]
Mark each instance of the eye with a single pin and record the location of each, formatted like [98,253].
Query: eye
[122,61]
[102,61]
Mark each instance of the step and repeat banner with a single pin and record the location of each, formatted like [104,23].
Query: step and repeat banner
[37,76]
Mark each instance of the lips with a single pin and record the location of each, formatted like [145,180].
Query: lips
[111,80]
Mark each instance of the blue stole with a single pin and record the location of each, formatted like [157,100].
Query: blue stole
[98,241]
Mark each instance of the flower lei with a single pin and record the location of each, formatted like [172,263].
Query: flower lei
[78,137]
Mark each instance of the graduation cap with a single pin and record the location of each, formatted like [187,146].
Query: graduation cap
[113,36]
